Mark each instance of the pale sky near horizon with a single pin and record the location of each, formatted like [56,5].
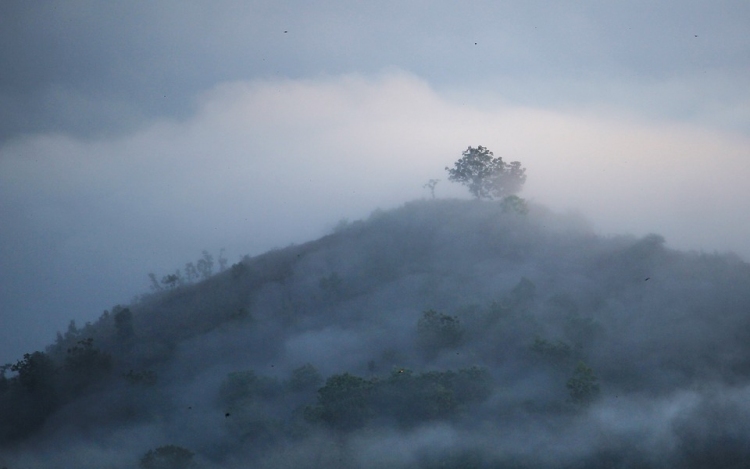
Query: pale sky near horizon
[134,135]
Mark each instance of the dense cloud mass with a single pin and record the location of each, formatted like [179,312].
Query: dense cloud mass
[444,333]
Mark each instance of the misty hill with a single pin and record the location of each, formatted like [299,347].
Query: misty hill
[445,333]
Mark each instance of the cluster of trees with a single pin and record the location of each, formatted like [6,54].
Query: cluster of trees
[558,352]
[583,385]
[191,273]
[438,331]
[253,403]
[404,398]
[42,384]
[348,402]
[75,367]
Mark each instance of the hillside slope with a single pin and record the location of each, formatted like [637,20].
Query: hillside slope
[440,334]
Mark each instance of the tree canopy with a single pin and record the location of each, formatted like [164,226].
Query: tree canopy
[485,176]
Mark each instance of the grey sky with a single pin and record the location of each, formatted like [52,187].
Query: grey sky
[135,134]
[90,67]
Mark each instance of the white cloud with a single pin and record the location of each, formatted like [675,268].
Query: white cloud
[295,155]
[266,163]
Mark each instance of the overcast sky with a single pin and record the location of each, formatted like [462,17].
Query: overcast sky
[133,135]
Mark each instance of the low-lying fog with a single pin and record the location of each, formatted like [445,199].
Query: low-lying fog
[444,333]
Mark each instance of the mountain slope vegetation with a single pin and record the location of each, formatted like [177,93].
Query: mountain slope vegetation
[444,333]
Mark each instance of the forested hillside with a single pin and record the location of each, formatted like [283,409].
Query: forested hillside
[444,333]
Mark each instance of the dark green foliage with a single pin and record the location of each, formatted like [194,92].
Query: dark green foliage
[436,331]
[485,176]
[29,397]
[72,334]
[515,204]
[583,386]
[343,403]
[36,373]
[348,402]
[123,319]
[557,353]
[85,358]
[4,381]
[172,281]
[167,457]
[85,365]
[41,386]
[413,399]
[238,270]
[304,378]
[437,394]
[501,327]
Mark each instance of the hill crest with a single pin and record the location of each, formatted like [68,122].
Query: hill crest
[449,312]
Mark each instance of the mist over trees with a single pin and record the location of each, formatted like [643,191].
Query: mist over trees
[444,333]
[201,270]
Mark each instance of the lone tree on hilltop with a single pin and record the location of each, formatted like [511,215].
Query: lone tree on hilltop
[487,177]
